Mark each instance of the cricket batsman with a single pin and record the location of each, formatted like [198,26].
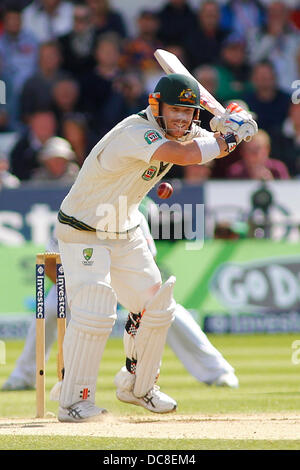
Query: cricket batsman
[185,337]
[190,344]
[104,252]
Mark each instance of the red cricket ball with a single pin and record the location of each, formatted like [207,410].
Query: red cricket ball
[164,190]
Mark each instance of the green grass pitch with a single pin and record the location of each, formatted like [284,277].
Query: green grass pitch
[269,382]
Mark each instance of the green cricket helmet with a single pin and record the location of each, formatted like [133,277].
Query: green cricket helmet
[176,90]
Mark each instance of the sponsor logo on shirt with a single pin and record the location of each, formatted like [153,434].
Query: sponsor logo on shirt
[149,173]
[152,136]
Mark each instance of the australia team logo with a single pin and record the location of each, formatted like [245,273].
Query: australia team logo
[187,96]
[87,254]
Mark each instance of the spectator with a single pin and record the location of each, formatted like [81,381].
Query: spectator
[207,75]
[176,18]
[7,180]
[194,175]
[131,86]
[233,230]
[6,119]
[138,52]
[21,4]
[298,62]
[269,103]
[23,157]
[100,100]
[57,162]
[37,90]
[74,128]
[295,16]
[18,58]
[77,47]
[157,72]
[178,50]
[48,19]
[243,17]
[279,44]
[65,98]
[256,162]
[233,70]
[105,19]
[202,43]
[287,147]
[1,19]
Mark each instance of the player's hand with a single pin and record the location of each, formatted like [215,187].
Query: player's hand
[235,120]
[227,143]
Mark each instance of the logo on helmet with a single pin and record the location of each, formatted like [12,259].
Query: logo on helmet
[187,96]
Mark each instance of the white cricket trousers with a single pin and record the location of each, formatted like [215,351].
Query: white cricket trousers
[126,264]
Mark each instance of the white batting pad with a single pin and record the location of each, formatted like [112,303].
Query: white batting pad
[150,338]
[93,315]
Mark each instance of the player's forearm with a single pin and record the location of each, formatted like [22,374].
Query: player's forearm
[179,153]
[196,151]
[222,145]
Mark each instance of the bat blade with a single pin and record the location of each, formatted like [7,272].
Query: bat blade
[171,64]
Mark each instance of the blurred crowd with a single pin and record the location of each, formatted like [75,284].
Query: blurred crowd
[72,70]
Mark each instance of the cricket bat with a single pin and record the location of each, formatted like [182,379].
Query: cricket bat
[171,64]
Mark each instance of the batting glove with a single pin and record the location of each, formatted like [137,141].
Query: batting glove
[235,120]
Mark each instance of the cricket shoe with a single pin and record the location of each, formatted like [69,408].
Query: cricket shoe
[81,412]
[155,400]
[14,384]
[228,379]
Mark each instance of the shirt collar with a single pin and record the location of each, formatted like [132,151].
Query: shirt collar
[151,118]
